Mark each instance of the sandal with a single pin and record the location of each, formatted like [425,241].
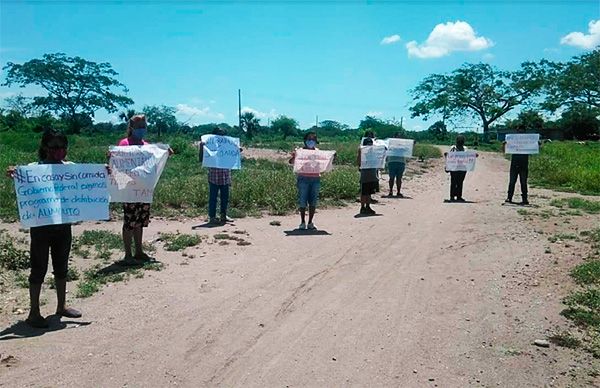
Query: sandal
[69,312]
[38,322]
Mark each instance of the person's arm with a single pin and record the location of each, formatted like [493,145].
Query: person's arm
[292,157]
[358,158]
[200,151]
[504,147]
[10,171]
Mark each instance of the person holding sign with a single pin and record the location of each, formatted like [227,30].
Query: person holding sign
[54,239]
[519,163]
[457,177]
[396,166]
[136,215]
[308,177]
[369,182]
[219,182]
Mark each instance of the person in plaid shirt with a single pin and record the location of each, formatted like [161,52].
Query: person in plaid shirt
[219,180]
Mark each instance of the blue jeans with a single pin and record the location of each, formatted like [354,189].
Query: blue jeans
[308,190]
[213,192]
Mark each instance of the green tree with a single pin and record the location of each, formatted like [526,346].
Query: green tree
[161,118]
[438,130]
[530,120]
[479,90]
[580,122]
[286,125]
[125,115]
[331,128]
[576,82]
[75,86]
[250,124]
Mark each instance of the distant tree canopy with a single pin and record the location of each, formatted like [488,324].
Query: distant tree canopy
[381,128]
[477,89]
[576,82]
[438,130]
[287,126]
[161,118]
[250,124]
[76,88]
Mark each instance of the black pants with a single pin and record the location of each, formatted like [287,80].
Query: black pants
[521,171]
[456,183]
[54,239]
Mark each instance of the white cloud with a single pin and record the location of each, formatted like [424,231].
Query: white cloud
[390,39]
[261,115]
[581,40]
[194,115]
[447,38]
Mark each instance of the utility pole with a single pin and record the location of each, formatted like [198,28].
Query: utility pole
[317,122]
[240,109]
[401,120]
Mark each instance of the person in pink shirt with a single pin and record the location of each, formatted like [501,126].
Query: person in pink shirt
[136,216]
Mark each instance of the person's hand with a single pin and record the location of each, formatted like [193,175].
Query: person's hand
[108,154]
[171,152]
[108,169]
[10,171]
[241,149]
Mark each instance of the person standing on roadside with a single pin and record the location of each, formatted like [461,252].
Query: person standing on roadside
[519,168]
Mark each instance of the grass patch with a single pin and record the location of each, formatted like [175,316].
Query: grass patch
[587,273]
[592,207]
[565,339]
[568,166]
[584,307]
[12,257]
[562,236]
[95,278]
[21,279]
[223,238]
[178,241]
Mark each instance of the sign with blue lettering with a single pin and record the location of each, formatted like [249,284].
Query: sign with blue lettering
[221,152]
[50,194]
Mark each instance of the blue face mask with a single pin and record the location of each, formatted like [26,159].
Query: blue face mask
[139,133]
[310,143]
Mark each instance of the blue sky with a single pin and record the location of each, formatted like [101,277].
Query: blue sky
[301,59]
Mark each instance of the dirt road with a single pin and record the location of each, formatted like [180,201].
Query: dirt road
[426,294]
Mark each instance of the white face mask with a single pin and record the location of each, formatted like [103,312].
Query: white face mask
[310,143]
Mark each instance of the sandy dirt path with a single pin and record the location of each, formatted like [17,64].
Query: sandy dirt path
[426,294]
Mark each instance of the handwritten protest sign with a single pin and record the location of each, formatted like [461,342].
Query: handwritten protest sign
[135,171]
[522,143]
[49,194]
[372,156]
[400,147]
[461,161]
[313,161]
[221,152]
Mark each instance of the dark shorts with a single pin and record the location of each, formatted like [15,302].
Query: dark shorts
[369,188]
[136,215]
[46,240]
[396,169]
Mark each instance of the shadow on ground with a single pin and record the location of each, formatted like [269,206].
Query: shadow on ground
[22,330]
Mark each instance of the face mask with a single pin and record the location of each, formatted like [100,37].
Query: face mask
[58,154]
[310,143]
[138,133]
